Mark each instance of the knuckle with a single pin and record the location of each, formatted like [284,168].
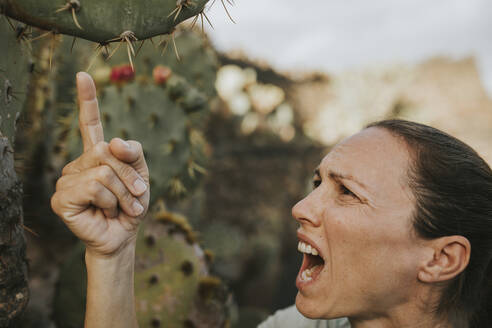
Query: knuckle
[95,188]
[127,172]
[127,198]
[106,174]
[59,184]
[54,201]
[67,168]
[101,149]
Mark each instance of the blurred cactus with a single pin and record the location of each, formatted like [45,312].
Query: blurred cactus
[198,62]
[250,229]
[104,21]
[158,116]
[229,245]
[173,286]
[35,140]
[163,104]
[172,282]
[14,73]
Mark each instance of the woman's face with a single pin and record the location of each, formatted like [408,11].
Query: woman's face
[358,218]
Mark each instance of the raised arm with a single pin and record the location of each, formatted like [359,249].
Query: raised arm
[102,197]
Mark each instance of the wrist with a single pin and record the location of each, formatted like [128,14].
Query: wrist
[125,251]
[115,263]
[110,283]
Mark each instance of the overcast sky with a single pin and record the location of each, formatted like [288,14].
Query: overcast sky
[336,35]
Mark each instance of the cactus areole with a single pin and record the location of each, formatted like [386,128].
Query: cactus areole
[103,21]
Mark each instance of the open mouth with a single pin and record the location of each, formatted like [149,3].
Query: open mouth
[312,263]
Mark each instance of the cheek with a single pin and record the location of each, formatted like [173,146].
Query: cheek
[363,245]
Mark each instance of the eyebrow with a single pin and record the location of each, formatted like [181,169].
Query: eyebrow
[340,176]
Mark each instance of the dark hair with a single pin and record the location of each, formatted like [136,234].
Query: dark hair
[452,186]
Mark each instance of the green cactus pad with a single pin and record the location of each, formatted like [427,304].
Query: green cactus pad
[103,20]
[164,286]
[198,62]
[157,116]
[14,77]
[173,286]
[167,119]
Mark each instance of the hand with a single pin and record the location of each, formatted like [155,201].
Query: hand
[102,195]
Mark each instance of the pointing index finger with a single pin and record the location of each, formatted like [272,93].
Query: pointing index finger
[89,121]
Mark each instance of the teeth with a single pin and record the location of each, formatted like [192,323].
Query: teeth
[306,248]
[306,275]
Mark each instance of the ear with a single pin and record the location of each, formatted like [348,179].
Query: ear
[448,257]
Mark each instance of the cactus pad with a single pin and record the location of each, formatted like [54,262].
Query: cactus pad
[198,62]
[106,20]
[160,118]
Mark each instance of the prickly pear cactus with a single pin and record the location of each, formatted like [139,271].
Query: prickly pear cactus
[104,21]
[163,104]
[173,286]
[198,62]
[14,76]
[160,117]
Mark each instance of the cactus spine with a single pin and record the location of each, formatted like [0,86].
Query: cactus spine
[104,21]
[14,76]
[161,108]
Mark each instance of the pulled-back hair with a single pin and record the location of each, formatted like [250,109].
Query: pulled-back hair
[452,186]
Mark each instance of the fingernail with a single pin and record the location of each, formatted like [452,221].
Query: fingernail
[140,186]
[137,207]
[79,75]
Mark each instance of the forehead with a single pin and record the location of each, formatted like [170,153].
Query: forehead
[373,157]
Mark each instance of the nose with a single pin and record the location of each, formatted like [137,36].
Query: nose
[307,211]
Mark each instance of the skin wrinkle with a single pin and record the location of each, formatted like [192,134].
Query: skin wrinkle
[374,258]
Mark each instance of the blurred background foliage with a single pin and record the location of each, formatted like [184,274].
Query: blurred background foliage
[231,144]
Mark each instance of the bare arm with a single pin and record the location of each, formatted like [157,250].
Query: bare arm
[102,197]
[110,298]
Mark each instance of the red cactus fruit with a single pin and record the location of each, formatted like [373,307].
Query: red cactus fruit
[161,74]
[124,73]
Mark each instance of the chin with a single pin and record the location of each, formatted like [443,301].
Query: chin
[308,308]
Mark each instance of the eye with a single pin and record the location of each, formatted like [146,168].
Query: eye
[316,183]
[345,191]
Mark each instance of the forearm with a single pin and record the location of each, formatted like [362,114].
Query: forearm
[110,296]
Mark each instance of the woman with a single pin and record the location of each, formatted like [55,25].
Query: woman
[396,232]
